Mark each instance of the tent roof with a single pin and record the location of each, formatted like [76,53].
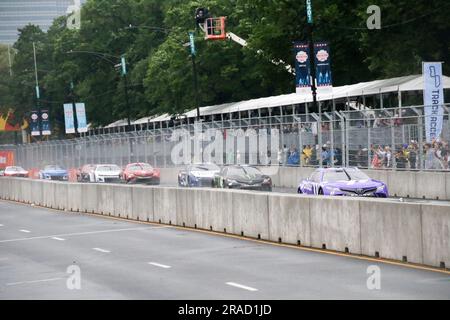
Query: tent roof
[399,84]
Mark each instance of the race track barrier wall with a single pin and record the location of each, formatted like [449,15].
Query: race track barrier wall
[386,228]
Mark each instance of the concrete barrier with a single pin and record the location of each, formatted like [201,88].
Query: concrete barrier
[251,214]
[401,184]
[123,201]
[289,219]
[37,192]
[165,205]
[414,232]
[436,235]
[432,185]
[185,207]
[74,197]
[89,198]
[447,186]
[220,214]
[105,199]
[61,193]
[5,185]
[143,204]
[48,194]
[26,191]
[335,223]
[393,230]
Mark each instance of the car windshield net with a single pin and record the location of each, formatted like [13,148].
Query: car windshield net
[205,167]
[108,168]
[357,174]
[53,168]
[147,167]
[334,176]
[252,171]
[236,171]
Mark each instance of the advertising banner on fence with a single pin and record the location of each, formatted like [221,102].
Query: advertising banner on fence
[302,68]
[68,118]
[433,99]
[81,117]
[45,123]
[323,66]
[6,159]
[34,125]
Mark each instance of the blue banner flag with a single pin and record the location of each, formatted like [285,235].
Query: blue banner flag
[302,67]
[323,65]
[68,118]
[45,123]
[81,117]
[34,124]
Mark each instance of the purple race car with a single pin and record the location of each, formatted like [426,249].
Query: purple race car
[342,182]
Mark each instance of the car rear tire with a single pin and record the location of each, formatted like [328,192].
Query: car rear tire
[320,192]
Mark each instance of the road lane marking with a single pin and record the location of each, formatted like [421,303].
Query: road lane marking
[237,285]
[81,234]
[34,281]
[25,231]
[101,250]
[58,239]
[1,225]
[159,265]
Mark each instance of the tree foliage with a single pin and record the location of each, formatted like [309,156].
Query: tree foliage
[160,77]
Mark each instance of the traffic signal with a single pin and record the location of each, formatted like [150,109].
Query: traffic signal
[201,14]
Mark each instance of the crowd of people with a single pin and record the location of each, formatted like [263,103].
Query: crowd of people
[433,156]
[309,155]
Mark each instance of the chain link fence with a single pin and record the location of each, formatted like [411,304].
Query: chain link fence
[381,138]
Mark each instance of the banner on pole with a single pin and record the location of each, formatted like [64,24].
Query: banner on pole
[34,124]
[302,68]
[323,66]
[45,123]
[68,118]
[81,117]
[433,96]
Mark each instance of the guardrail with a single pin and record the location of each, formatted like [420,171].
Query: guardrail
[412,232]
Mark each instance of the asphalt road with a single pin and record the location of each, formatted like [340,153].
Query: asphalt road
[127,260]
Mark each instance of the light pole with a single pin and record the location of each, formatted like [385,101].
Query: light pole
[310,27]
[194,69]
[74,109]
[37,87]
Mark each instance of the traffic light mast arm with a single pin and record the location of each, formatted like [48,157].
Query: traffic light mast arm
[244,43]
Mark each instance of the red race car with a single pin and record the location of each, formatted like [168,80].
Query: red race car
[141,173]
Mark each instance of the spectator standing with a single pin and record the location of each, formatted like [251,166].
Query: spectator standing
[412,156]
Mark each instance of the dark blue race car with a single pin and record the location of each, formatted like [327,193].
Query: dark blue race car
[198,175]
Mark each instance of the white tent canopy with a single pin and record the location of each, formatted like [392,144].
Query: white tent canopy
[399,84]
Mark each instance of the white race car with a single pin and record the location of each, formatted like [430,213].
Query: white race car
[107,173]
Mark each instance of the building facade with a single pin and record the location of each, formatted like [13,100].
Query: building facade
[15,14]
